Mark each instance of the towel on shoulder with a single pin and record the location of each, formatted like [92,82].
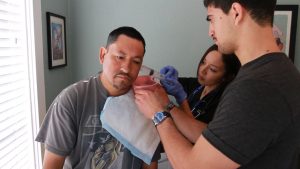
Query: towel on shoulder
[122,119]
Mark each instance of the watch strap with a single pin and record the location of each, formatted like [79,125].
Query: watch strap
[169,106]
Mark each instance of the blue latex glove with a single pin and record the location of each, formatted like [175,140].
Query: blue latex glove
[174,88]
[169,72]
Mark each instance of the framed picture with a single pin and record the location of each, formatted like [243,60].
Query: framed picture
[284,28]
[56,34]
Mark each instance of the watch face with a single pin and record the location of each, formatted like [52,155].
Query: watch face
[160,115]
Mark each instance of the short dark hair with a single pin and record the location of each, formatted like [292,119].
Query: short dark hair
[262,11]
[125,30]
[231,63]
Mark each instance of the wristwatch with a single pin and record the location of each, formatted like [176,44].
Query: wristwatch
[160,117]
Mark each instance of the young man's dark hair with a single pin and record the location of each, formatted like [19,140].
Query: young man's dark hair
[262,11]
[125,30]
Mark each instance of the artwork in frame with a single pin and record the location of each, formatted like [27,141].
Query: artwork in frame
[285,27]
[56,34]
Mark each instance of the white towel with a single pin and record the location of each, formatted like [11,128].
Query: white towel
[122,119]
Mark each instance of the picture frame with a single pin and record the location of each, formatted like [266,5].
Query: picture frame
[56,35]
[285,27]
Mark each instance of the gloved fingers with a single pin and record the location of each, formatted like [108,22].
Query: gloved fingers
[169,71]
[180,96]
[174,88]
[165,69]
[168,81]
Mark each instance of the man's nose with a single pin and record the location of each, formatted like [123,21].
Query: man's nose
[210,31]
[126,66]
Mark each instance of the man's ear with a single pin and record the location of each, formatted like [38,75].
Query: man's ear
[102,54]
[237,12]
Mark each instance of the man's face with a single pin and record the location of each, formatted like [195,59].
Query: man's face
[121,64]
[221,29]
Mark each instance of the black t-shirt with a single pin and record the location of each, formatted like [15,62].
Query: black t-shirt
[257,122]
[204,109]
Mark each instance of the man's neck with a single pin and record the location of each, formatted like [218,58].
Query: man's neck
[256,42]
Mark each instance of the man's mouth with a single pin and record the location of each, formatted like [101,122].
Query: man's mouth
[123,76]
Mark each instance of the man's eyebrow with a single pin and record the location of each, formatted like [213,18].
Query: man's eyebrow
[120,52]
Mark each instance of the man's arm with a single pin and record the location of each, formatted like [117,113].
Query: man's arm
[184,106]
[181,153]
[153,165]
[187,125]
[186,155]
[53,161]
[185,122]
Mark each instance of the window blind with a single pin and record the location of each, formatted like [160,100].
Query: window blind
[16,147]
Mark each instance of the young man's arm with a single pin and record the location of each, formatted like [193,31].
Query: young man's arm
[185,122]
[181,153]
[184,106]
[186,155]
[187,125]
[53,161]
[153,165]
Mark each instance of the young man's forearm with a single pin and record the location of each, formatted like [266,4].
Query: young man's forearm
[175,145]
[187,125]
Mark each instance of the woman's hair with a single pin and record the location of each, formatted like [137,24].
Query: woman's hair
[231,63]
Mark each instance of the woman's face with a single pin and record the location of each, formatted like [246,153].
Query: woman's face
[211,71]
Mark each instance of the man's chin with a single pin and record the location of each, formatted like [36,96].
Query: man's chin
[122,87]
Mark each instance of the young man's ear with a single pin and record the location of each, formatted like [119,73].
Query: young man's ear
[102,54]
[237,12]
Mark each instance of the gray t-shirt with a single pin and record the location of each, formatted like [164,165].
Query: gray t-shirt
[72,128]
[257,123]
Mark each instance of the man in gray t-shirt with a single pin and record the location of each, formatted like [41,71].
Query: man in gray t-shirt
[72,131]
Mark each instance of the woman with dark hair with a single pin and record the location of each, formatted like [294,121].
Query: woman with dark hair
[215,71]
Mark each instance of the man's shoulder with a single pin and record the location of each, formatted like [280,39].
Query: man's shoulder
[79,89]
[83,84]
